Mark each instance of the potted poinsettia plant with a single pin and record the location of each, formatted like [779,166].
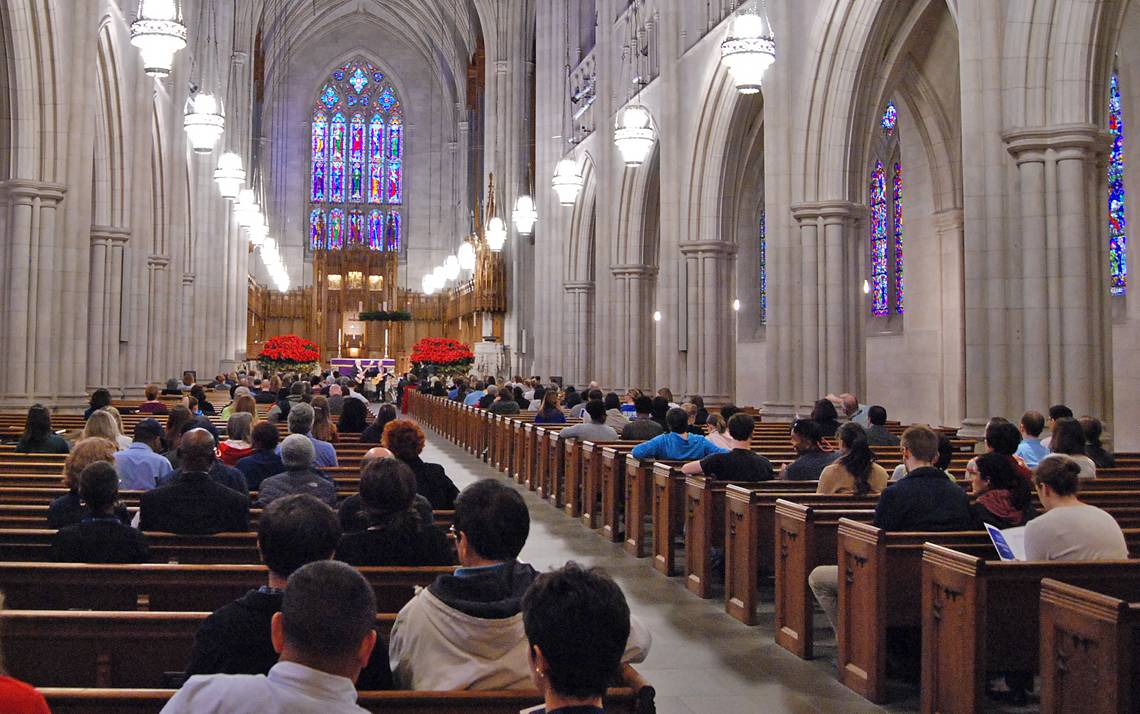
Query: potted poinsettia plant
[441,355]
[285,353]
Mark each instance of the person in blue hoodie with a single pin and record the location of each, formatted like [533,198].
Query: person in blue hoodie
[677,444]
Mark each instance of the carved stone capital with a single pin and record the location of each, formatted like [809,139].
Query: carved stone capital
[708,248]
[25,191]
[830,212]
[584,286]
[158,262]
[188,278]
[633,270]
[1078,140]
[110,235]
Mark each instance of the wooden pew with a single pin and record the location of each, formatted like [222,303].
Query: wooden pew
[1090,650]
[668,514]
[65,586]
[105,649]
[805,537]
[638,505]
[980,615]
[614,489]
[750,536]
[631,695]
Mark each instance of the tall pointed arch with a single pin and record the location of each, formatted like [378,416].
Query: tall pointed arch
[356,153]
[1117,227]
[885,201]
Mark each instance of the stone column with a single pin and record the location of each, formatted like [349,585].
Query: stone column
[156,331]
[633,291]
[710,323]
[1065,353]
[831,312]
[30,305]
[948,225]
[579,299]
[105,306]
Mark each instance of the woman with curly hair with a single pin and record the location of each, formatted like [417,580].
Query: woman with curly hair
[68,509]
[405,440]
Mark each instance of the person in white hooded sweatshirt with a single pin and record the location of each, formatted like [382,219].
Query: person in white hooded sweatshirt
[465,631]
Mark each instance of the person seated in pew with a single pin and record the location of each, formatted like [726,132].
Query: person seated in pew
[227,476]
[102,425]
[614,416]
[153,405]
[504,403]
[286,400]
[677,444]
[826,416]
[100,398]
[1069,440]
[395,535]
[353,415]
[69,509]
[658,410]
[1069,529]
[641,426]
[1001,495]
[1057,411]
[237,445]
[465,631]
[877,434]
[854,471]
[811,459]
[100,537]
[299,476]
[718,431]
[193,503]
[537,397]
[520,399]
[923,501]
[1031,450]
[325,634]
[235,639]
[1094,449]
[374,432]
[593,427]
[549,413]
[490,394]
[473,397]
[141,467]
[38,437]
[577,623]
[172,432]
[264,460]
[691,413]
[336,400]
[740,463]
[352,514]
[942,463]
[323,427]
[172,388]
[405,439]
[1004,438]
[702,414]
[301,418]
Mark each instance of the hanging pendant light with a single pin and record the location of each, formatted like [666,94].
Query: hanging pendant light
[158,32]
[257,233]
[229,175]
[466,256]
[205,120]
[567,182]
[748,50]
[451,268]
[634,135]
[524,215]
[496,234]
[245,207]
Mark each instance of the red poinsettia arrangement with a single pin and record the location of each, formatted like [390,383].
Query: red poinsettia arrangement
[441,352]
[288,352]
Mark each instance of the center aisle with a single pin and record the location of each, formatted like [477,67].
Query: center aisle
[702,661]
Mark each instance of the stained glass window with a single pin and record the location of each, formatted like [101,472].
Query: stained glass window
[316,229]
[885,201]
[356,161]
[336,229]
[763,269]
[1117,233]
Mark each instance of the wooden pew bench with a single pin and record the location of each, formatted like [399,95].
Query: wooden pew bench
[1090,649]
[630,695]
[191,588]
[982,615]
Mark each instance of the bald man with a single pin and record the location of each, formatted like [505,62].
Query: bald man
[353,517]
[194,504]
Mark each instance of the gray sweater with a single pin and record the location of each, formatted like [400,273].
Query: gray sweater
[290,483]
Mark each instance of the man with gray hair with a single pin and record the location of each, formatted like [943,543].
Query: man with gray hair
[488,397]
[299,476]
[301,422]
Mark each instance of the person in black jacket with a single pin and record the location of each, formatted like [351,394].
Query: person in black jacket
[395,536]
[194,503]
[405,440]
[101,537]
[293,531]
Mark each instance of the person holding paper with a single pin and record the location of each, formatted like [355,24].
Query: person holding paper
[1069,529]
[1001,494]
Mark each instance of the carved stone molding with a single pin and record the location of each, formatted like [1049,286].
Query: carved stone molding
[110,235]
[708,248]
[633,270]
[1030,144]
